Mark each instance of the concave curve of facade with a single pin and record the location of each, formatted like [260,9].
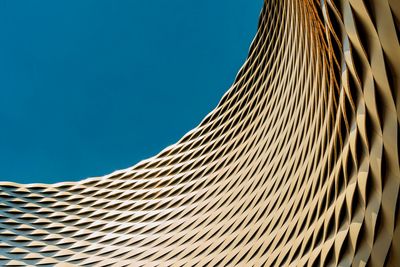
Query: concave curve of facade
[298,165]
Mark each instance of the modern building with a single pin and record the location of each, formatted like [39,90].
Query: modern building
[298,165]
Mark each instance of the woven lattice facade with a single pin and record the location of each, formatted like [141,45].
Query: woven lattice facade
[298,165]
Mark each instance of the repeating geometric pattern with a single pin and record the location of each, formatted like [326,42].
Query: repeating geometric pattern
[298,165]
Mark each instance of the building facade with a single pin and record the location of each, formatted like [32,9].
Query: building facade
[298,165]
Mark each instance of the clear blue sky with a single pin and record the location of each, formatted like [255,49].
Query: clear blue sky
[89,87]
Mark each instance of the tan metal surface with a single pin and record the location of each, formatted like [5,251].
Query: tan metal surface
[298,165]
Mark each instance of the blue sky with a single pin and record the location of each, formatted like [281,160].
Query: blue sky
[89,87]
